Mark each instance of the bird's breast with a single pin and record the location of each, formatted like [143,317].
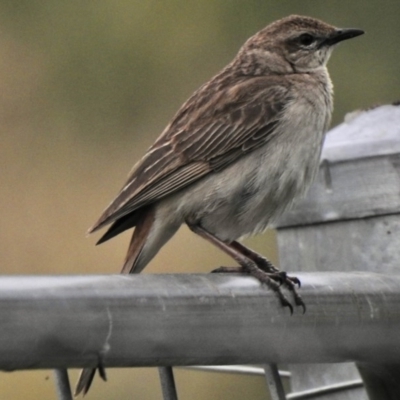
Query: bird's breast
[252,192]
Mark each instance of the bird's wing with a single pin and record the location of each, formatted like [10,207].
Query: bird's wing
[209,132]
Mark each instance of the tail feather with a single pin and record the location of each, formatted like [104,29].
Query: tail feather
[84,381]
[139,239]
[122,224]
[143,223]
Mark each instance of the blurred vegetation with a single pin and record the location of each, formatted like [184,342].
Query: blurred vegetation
[86,87]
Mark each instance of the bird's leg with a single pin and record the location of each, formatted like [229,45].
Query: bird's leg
[264,263]
[246,264]
[267,266]
[261,261]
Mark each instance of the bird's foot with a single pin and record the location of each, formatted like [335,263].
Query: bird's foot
[273,280]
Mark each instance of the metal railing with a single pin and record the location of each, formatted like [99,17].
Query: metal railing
[184,320]
[207,319]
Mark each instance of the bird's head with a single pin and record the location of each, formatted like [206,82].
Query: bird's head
[293,44]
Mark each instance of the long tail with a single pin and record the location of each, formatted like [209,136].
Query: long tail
[139,237]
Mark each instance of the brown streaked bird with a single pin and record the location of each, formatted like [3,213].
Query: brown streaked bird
[236,154]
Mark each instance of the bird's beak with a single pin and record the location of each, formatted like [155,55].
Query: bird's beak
[342,34]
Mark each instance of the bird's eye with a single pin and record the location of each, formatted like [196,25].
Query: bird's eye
[306,39]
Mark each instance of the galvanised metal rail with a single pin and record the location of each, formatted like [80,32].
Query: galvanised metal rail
[209,319]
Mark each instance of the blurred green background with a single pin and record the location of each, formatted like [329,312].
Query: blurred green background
[86,87]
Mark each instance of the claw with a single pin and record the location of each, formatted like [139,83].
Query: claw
[291,284]
[299,301]
[286,303]
[274,280]
[295,280]
[282,277]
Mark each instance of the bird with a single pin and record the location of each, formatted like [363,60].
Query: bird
[236,154]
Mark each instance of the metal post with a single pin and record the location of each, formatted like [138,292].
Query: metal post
[62,384]
[350,221]
[274,382]
[167,383]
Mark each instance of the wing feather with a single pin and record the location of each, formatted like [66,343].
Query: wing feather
[203,136]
